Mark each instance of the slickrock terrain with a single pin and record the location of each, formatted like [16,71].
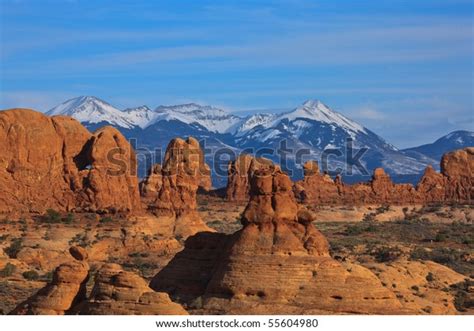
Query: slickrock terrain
[278,263]
[56,163]
[67,288]
[453,184]
[239,173]
[171,189]
[118,292]
[421,286]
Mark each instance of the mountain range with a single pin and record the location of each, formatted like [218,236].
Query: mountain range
[310,131]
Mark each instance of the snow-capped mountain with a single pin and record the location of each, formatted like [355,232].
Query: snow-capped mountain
[315,127]
[92,110]
[211,118]
[454,140]
[140,116]
[87,109]
[306,131]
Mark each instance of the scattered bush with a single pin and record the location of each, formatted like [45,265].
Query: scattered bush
[430,277]
[52,216]
[106,219]
[8,270]
[440,237]
[14,248]
[69,218]
[30,275]
[359,228]
[462,300]
[387,254]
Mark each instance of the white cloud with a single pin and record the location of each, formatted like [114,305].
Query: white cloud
[368,112]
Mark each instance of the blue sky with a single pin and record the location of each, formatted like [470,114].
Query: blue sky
[402,68]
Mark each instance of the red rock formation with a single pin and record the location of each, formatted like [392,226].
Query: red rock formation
[458,168]
[432,186]
[67,289]
[239,173]
[171,193]
[316,187]
[118,292]
[453,184]
[56,163]
[150,187]
[278,263]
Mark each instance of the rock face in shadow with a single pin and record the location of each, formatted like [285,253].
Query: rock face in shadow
[453,184]
[239,173]
[54,162]
[67,289]
[118,292]
[170,190]
[278,263]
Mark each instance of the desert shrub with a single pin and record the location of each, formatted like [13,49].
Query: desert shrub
[369,217]
[52,216]
[196,303]
[387,254]
[430,277]
[382,209]
[359,228]
[106,219]
[3,237]
[440,237]
[8,270]
[14,248]
[462,300]
[69,218]
[30,275]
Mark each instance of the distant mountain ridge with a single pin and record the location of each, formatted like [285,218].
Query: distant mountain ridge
[454,140]
[313,128]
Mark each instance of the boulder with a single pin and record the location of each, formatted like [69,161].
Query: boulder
[67,289]
[118,292]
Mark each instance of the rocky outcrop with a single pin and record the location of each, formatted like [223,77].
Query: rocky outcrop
[239,173]
[118,292]
[56,163]
[150,187]
[453,184]
[171,190]
[278,263]
[316,187]
[458,168]
[67,289]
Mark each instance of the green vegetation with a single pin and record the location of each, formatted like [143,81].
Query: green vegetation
[52,216]
[448,244]
[8,270]
[31,275]
[14,248]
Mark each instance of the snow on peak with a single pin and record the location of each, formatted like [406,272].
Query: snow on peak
[140,116]
[253,121]
[92,110]
[318,111]
[212,118]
